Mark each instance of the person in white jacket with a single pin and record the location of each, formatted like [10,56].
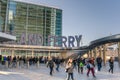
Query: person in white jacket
[69,69]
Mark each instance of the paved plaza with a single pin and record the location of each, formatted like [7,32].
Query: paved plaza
[42,73]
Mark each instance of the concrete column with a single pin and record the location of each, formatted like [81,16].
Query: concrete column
[119,53]
[92,53]
[49,54]
[5,51]
[64,54]
[88,54]
[17,64]
[28,64]
[12,54]
[26,54]
[0,51]
[104,54]
[100,51]
[6,64]
[95,52]
[32,53]
[37,64]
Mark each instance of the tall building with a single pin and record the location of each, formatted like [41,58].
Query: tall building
[31,23]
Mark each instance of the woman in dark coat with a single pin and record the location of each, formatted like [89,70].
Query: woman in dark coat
[111,64]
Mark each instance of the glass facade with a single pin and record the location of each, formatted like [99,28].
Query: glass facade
[3,7]
[26,21]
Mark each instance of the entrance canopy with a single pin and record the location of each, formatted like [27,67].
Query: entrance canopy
[6,37]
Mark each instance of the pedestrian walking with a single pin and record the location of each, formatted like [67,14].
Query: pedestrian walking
[111,64]
[99,63]
[78,64]
[90,66]
[57,62]
[50,64]
[14,62]
[69,69]
[81,67]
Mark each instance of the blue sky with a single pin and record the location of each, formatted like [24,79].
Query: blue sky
[91,18]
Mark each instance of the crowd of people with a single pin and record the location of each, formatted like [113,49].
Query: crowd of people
[86,63]
[79,64]
[22,60]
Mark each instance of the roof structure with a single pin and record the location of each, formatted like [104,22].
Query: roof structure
[35,3]
[6,37]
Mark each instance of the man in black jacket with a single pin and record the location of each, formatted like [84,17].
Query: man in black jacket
[50,64]
[57,62]
[99,62]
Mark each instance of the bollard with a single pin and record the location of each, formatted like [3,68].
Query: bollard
[28,64]
[38,64]
[6,64]
[21,64]
[17,64]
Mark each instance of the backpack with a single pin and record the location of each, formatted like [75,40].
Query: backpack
[66,70]
[81,64]
[51,63]
[88,66]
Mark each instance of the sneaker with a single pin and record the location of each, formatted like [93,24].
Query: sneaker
[87,75]
[94,76]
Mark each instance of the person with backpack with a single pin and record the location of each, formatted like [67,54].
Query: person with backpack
[90,66]
[81,67]
[50,64]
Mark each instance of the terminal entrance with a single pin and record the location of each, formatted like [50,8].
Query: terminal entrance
[28,53]
[100,47]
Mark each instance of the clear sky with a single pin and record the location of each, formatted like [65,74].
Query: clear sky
[91,18]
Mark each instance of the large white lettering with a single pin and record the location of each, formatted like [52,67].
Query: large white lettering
[57,41]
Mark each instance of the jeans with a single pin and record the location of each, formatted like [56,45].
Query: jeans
[111,69]
[81,70]
[99,66]
[92,70]
[51,70]
[57,68]
[78,69]
[70,75]
[14,63]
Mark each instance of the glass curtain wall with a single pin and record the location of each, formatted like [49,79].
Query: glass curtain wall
[24,19]
[3,7]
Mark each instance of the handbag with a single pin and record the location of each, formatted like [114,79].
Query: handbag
[66,70]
